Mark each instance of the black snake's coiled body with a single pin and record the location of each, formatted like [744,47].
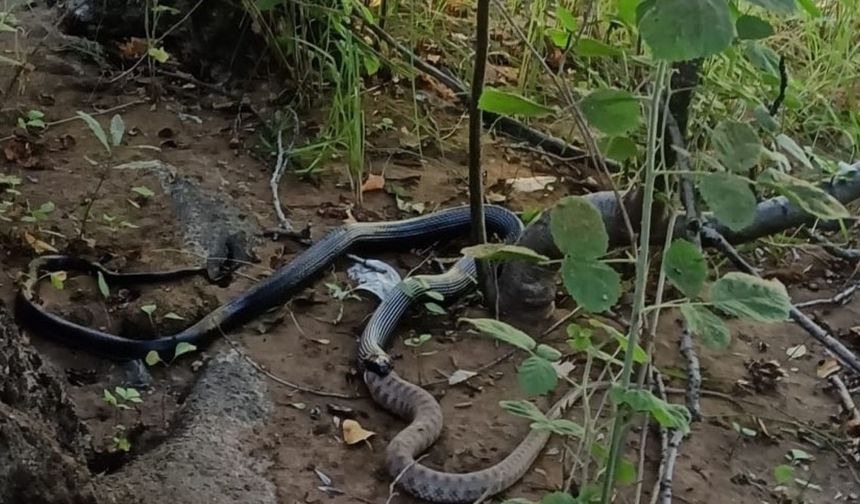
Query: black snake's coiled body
[389,390]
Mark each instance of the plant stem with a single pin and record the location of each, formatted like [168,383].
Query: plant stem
[619,427]
[476,183]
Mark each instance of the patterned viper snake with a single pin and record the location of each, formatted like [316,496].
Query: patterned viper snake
[389,390]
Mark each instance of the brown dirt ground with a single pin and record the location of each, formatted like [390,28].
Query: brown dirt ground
[307,348]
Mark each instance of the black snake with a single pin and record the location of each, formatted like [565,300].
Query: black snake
[386,387]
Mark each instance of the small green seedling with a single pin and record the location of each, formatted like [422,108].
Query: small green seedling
[33,121]
[152,358]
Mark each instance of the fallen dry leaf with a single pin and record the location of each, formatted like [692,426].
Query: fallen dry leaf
[353,432]
[796,352]
[38,245]
[133,48]
[532,184]
[438,88]
[828,367]
[459,376]
[373,183]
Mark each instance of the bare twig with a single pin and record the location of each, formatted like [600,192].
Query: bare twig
[845,396]
[279,380]
[278,173]
[833,249]
[833,345]
[840,298]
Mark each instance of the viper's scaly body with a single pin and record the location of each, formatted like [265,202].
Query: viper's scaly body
[389,390]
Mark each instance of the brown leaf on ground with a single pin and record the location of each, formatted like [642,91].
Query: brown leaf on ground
[373,183]
[133,48]
[354,433]
[25,154]
[39,246]
[437,87]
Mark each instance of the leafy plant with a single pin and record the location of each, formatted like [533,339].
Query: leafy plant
[34,120]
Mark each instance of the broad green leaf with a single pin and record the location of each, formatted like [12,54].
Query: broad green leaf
[503,332]
[558,498]
[777,6]
[708,327]
[560,38]
[737,145]
[681,30]
[810,7]
[371,63]
[501,102]
[537,376]
[618,148]
[434,308]
[798,455]
[523,409]
[503,252]
[183,348]
[158,54]
[592,48]
[753,28]
[783,474]
[626,471]
[764,120]
[730,198]
[152,358]
[752,298]
[103,286]
[640,356]
[148,309]
[787,144]
[117,129]
[578,229]
[173,316]
[109,398]
[562,427]
[811,198]
[96,128]
[671,416]
[434,295]
[612,111]
[143,191]
[627,11]
[566,19]
[592,284]
[764,58]
[685,267]
[547,352]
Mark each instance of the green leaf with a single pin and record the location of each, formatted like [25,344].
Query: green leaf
[183,348]
[798,455]
[558,498]
[681,30]
[625,474]
[173,316]
[143,191]
[592,284]
[58,279]
[578,229]
[764,58]
[618,148]
[811,198]
[148,309]
[517,500]
[783,474]
[685,267]
[737,145]
[627,11]
[787,144]
[753,28]
[562,427]
[559,38]
[523,408]
[752,298]
[537,376]
[417,341]
[109,398]
[503,332]
[158,54]
[613,111]
[434,308]
[504,103]
[592,48]
[547,352]
[707,326]
[566,19]
[371,63]
[764,120]
[117,129]
[503,252]
[103,286]
[96,128]
[730,198]
[436,296]
[152,358]
[640,356]
[671,416]
[777,6]
[810,7]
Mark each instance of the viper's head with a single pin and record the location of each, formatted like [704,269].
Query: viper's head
[379,364]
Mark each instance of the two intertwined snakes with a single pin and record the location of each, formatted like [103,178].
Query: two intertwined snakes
[389,390]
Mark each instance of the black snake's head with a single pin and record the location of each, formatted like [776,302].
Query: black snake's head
[378,364]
